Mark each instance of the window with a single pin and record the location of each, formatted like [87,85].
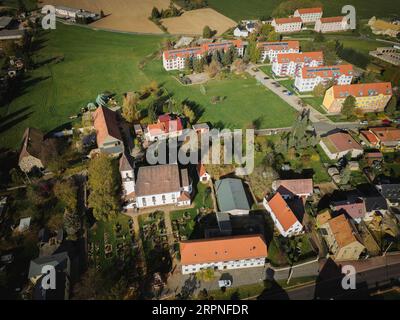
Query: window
[144,202]
[153,199]
[163,199]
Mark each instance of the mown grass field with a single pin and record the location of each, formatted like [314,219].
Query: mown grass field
[251,9]
[95,61]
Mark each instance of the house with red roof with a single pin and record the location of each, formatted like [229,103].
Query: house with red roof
[286,25]
[167,126]
[204,176]
[338,145]
[309,77]
[285,219]
[388,137]
[354,208]
[289,189]
[289,64]
[331,24]
[108,134]
[309,15]
[233,252]
[272,49]
[370,97]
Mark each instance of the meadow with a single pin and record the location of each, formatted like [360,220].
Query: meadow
[90,62]
[252,9]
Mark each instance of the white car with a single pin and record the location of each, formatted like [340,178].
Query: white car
[224,283]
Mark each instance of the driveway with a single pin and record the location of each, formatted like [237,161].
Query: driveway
[321,123]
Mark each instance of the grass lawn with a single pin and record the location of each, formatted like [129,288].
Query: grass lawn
[251,9]
[95,61]
[200,201]
[245,100]
[287,84]
[104,229]
[268,70]
[316,103]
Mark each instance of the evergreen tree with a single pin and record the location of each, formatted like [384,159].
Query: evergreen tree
[391,107]
[207,32]
[348,106]
[155,14]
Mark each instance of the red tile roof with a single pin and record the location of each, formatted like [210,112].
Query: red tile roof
[371,138]
[279,45]
[300,57]
[386,134]
[106,125]
[362,89]
[165,124]
[343,142]
[201,169]
[309,10]
[296,186]
[332,19]
[201,50]
[282,211]
[327,71]
[353,209]
[342,231]
[222,249]
[288,20]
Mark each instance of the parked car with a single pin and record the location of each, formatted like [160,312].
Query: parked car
[364,122]
[386,121]
[255,69]
[266,78]
[224,283]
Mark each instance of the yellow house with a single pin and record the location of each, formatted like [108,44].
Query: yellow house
[342,238]
[370,97]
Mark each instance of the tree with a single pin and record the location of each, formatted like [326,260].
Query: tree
[55,222]
[213,68]
[319,37]
[155,14]
[345,175]
[189,113]
[266,29]
[153,111]
[72,224]
[198,65]
[348,106]
[300,138]
[67,192]
[391,107]
[205,275]
[129,107]
[254,52]
[273,36]
[207,32]
[319,90]
[104,187]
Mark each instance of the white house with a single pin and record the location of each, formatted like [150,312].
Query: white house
[339,144]
[240,32]
[284,218]
[272,49]
[126,170]
[309,15]
[162,185]
[167,126]
[309,77]
[331,24]
[286,25]
[223,253]
[289,64]
[204,176]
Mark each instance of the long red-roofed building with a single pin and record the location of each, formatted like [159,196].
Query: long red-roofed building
[287,25]
[289,64]
[309,15]
[176,59]
[272,49]
[309,77]
[331,24]
[223,253]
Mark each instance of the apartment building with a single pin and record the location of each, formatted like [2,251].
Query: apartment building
[176,59]
[309,15]
[223,253]
[271,50]
[289,64]
[370,97]
[309,77]
[331,24]
[287,25]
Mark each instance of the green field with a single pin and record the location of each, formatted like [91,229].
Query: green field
[95,61]
[251,9]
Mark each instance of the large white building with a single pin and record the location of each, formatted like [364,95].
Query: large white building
[331,24]
[308,15]
[286,25]
[162,185]
[223,253]
[309,77]
[176,59]
[272,49]
[289,64]
[284,218]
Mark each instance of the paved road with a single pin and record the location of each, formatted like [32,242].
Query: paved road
[321,123]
